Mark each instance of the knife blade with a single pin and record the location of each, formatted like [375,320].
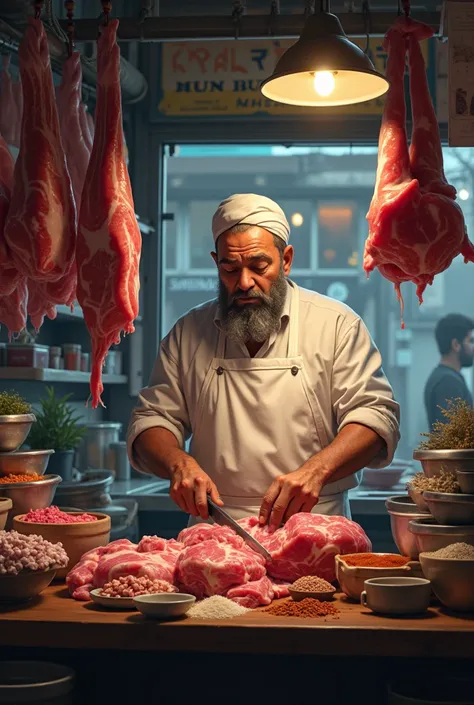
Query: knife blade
[222,518]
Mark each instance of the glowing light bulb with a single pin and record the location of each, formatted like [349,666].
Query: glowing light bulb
[464,194]
[297,220]
[324,83]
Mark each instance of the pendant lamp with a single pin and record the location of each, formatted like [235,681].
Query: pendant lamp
[324,68]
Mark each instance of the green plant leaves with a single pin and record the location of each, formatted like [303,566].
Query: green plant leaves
[56,426]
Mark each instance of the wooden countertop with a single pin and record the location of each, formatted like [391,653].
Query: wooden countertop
[54,619]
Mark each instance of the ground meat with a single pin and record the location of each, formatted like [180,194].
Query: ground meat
[131,586]
[24,553]
[13,479]
[306,608]
[53,515]
[311,583]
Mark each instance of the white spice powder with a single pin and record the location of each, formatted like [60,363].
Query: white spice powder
[216,607]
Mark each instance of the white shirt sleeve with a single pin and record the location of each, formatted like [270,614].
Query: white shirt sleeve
[162,404]
[360,391]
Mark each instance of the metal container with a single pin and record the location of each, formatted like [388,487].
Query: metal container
[55,357]
[29,495]
[435,462]
[85,362]
[27,355]
[14,429]
[452,581]
[93,492]
[121,464]
[402,511]
[430,536]
[113,363]
[72,357]
[94,451]
[450,508]
[466,481]
[25,462]
[39,682]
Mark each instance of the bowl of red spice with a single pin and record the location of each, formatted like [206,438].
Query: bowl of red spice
[353,569]
[78,532]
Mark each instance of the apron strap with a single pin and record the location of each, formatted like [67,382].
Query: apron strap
[293,330]
[220,353]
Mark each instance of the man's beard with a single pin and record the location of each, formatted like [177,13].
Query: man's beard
[465,359]
[253,322]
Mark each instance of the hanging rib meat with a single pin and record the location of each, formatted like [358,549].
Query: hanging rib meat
[9,275]
[41,224]
[415,227]
[38,305]
[109,241]
[8,108]
[13,309]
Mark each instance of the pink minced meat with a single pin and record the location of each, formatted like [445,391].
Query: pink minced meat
[53,515]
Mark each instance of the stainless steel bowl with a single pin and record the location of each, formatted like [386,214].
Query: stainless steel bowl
[29,495]
[466,480]
[430,536]
[450,508]
[13,431]
[402,511]
[435,462]
[452,581]
[25,462]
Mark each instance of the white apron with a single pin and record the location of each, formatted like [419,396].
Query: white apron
[257,418]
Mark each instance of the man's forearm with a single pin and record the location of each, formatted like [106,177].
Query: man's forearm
[158,451]
[354,447]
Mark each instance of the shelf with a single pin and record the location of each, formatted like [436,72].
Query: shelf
[65,312]
[50,375]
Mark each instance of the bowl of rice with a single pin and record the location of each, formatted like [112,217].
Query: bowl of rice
[451,571]
[78,532]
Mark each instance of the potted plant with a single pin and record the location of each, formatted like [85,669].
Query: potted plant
[449,447]
[57,427]
[16,420]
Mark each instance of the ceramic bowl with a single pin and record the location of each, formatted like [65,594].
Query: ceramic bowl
[396,595]
[5,506]
[352,578]
[76,539]
[164,605]
[111,603]
[452,581]
[298,595]
[25,585]
[448,508]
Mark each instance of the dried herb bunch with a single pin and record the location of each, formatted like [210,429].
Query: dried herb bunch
[456,433]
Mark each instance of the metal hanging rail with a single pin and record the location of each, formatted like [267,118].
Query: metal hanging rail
[175,29]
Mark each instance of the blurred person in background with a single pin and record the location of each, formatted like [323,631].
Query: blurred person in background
[454,336]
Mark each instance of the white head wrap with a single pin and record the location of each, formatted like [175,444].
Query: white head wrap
[251,209]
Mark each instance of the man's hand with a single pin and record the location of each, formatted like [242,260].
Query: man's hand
[190,486]
[289,494]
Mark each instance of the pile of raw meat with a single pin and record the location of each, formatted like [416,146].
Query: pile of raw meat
[211,560]
[416,228]
[67,220]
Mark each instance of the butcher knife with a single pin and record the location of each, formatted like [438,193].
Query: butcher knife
[223,519]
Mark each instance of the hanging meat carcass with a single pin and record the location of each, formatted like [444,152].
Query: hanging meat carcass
[41,225]
[38,305]
[13,308]
[109,241]
[415,227]
[8,108]
[9,275]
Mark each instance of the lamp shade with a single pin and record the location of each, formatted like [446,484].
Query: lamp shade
[324,68]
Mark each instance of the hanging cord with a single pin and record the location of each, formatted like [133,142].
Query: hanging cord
[38,5]
[69,6]
[238,9]
[274,11]
[367,24]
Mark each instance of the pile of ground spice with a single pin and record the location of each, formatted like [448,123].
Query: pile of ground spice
[446,482]
[376,560]
[13,479]
[216,607]
[53,515]
[311,583]
[456,551]
[306,608]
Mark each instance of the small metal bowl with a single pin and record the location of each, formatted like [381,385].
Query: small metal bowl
[447,508]
[14,429]
[29,495]
[430,536]
[298,595]
[466,480]
[435,462]
[402,510]
[25,462]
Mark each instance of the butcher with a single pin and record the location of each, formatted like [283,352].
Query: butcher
[279,389]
